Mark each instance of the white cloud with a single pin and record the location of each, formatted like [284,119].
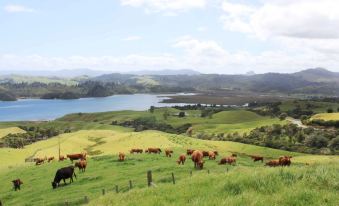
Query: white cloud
[309,19]
[16,8]
[203,55]
[169,7]
[132,38]
[310,26]
[202,29]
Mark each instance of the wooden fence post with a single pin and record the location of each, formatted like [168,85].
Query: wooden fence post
[116,189]
[173,179]
[86,199]
[149,178]
[130,184]
[191,173]
[103,192]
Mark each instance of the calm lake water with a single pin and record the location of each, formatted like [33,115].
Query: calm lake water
[38,109]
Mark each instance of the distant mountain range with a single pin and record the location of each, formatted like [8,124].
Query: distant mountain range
[166,72]
[65,73]
[71,73]
[311,82]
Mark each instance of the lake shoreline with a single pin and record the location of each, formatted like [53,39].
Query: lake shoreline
[51,109]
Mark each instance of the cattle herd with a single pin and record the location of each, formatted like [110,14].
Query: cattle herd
[197,157]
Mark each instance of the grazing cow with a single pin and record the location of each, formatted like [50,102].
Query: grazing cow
[50,159]
[211,155]
[16,184]
[80,156]
[190,151]
[168,152]
[61,158]
[272,163]
[63,174]
[121,156]
[285,160]
[39,161]
[257,158]
[153,150]
[228,160]
[216,152]
[132,151]
[197,158]
[82,164]
[205,153]
[182,159]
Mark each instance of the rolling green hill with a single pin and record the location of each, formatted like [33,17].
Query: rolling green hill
[326,116]
[104,171]
[223,122]
[10,130]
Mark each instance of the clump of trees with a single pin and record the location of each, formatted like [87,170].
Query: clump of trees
[151,123]
[321,122]
[292,138]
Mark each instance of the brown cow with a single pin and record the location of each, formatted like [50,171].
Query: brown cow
[132,151]
[228,160]
[205,153]
[234,155]
[197,158]
[39,161]
[211,155]
[190,151]
[82,164]
[273,163]
[50,159]
[168,152]
[16,184]
[257,158]
[285,160]
[216,152]
[182,159]
[61,158]
[80,156]
[153,150]
[121,156]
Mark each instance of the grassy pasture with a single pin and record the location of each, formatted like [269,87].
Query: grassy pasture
[10,130]
[326,116]
[223,122]
[314,185]
[104,172]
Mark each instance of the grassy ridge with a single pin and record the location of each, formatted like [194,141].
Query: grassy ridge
[10,130]
[104,171]
[223,122]
[326,116]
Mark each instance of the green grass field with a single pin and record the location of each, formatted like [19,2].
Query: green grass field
[326,116]
[223,122]
[10,130]
[236,187]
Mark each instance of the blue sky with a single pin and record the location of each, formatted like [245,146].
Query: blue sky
[211,36]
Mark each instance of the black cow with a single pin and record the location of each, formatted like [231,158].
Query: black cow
[16,184]
[63,174]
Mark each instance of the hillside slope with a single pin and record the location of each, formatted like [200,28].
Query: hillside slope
[104,171]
